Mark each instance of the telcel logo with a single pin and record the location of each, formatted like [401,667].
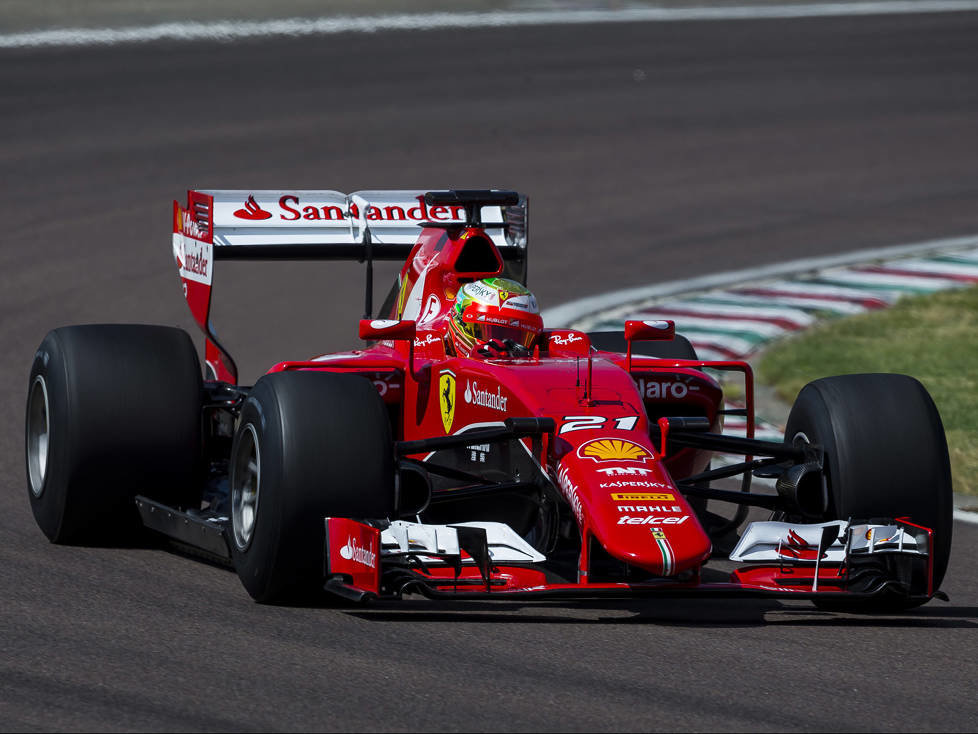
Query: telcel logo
[652,520]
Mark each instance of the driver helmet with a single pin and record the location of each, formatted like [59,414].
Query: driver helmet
[494,310]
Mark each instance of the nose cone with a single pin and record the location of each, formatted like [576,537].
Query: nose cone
[623,496]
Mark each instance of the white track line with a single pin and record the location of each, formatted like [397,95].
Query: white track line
[230,30]
[965,516]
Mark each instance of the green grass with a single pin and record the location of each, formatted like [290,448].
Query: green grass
[933,338]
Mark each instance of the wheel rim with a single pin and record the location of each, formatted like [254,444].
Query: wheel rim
[38,435]
[246,481]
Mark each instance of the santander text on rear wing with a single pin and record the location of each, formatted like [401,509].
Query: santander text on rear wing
[225,224]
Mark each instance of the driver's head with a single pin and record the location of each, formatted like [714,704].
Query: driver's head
[494,309]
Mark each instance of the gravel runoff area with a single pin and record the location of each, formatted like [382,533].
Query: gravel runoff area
[26,15]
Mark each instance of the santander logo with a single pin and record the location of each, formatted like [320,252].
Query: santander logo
[485,398]
[252,211]
[357,553]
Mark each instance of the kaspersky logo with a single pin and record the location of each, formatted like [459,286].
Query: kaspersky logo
[252,211]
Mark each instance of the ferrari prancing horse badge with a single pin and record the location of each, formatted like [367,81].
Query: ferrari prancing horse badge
[446,399]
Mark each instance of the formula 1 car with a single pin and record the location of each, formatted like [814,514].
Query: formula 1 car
[559,464]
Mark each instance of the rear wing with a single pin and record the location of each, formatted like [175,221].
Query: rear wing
[224,224]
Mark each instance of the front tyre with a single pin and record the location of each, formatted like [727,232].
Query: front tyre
[309,445]
[885,454]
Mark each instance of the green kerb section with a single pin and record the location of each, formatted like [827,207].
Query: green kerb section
[956,259]
[933,338]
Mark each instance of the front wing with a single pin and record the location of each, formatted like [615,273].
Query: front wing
[844,560]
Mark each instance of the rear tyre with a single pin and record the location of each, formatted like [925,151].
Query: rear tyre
[113,410]
[885,456]
[309,445]
[614,341]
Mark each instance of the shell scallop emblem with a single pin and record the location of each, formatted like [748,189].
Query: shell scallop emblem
[613,449]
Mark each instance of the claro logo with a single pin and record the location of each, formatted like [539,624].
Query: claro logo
[657,390]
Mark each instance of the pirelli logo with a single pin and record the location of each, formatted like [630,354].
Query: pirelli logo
[642,497]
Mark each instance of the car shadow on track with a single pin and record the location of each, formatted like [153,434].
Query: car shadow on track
[672,613]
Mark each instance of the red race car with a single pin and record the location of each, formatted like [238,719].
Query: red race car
[467,450]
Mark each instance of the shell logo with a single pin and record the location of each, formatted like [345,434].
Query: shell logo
[613,449]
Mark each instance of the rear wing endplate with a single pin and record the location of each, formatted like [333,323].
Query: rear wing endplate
[225,224]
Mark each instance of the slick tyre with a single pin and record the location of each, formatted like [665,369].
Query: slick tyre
[614,341]
[309,445]
[885,455]
[113,411]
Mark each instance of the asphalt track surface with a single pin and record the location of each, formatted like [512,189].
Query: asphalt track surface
[651,152]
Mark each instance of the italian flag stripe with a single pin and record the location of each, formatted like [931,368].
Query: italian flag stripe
[667,557]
